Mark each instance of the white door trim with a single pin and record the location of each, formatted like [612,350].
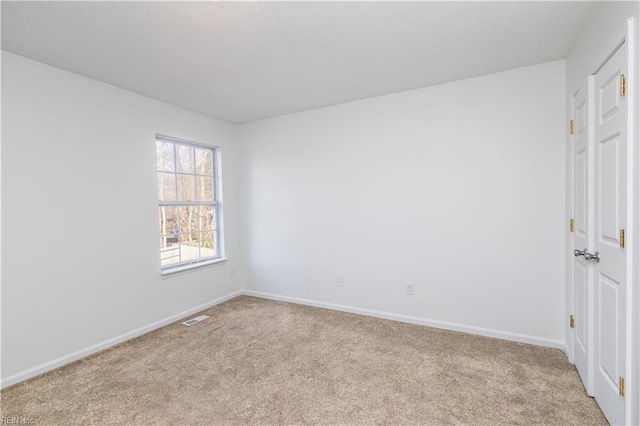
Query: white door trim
[633,210]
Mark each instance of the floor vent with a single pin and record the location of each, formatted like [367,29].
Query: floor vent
[195,320]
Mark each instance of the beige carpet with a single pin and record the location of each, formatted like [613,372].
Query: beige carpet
[262,362]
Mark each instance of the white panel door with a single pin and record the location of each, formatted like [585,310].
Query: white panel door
[582,271]
[610,214]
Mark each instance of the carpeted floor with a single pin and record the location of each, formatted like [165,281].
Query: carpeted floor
[263,362]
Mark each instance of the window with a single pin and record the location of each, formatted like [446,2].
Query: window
[188,203]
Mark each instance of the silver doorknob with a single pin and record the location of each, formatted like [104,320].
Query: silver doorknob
[592,256]
[578,253]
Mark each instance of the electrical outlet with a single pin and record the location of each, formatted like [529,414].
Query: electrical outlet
[340,280]
[410,288]
[232,272]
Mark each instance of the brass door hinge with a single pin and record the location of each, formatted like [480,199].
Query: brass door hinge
[622,238]
[572,225]
[621,386]
[572,127]
[623,85]
[572,321]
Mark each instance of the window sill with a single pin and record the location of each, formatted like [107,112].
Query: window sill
[186,268]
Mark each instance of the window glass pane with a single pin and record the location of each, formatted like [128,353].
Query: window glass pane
[204,188]
[204,161]
[184,160]
[169,224]
[189,252]
[164,156]
[207,218]
[188,222]
[169,235]
[190,248]
[166,186]
[207,244]
[186,187]
[169,255]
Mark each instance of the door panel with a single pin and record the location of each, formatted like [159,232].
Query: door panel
[581,192]
[609,99]
[581,297]
[609,190]
[609,317]
[610,217]
[582,235]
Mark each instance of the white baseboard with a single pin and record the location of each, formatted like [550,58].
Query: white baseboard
[59,362]
[504,335]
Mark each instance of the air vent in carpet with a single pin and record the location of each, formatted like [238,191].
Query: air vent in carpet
[195,320]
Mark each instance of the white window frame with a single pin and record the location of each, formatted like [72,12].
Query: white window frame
[218,234]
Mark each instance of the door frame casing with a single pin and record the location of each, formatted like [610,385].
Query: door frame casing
[633,217]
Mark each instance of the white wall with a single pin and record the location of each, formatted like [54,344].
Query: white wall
[457,187]
[454,187]
[80,245]
[592,47]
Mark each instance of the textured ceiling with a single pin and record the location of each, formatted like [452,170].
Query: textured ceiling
[246,61]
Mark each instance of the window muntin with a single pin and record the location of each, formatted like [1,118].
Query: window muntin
[188,203]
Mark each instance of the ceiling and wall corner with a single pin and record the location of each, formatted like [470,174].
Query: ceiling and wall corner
[245,61]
